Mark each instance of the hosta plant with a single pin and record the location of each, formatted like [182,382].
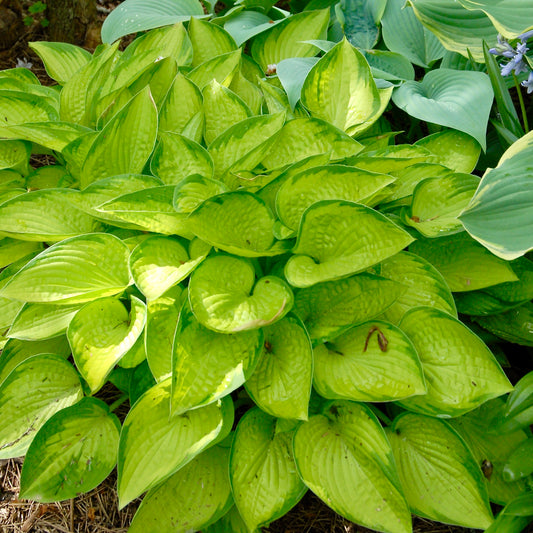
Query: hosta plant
[272,287]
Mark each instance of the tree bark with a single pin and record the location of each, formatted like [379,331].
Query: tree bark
[72,21]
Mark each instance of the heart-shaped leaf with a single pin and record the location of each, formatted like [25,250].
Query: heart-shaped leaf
[351,239]
[281,383]
[193,190]
[458,99]
[207,365]
[221,68]
[225,297]
[68,457]
[262,445]
[344,457]
[55,385]
[461,373]
[441,479]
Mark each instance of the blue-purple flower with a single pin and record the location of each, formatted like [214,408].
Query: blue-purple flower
[528,83]
[516,61]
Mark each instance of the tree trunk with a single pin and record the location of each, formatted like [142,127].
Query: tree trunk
[11,27]
[73,21]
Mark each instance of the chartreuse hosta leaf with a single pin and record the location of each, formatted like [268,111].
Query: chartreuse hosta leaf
[163,314]
[225,297]
[455,149]
[499,215]
[372,362]
[153,445]
[232,520]
[207,365]
[42,321]
[15,351]
[208,40]
[158,263]
[15,155]
[17,107]
[79,269]
[238,222]
[437,203]
[305,137]
[341,90]
[332,182]
[101,333]
[194,190]
[286,39]
[61,60]
[327,309]
[424,284]
[20,74]
[338,238]
[221,68]
[45,215]
[516,291]
[343,456]
[281,383]
[244,145]
[182,103]
[12,250]
[194,497]
[459,30]
[464,263]
[72,453]
[149,209]
[461,373]
[125,143]
[261,446]
[222,108]
[491,449]
[458,99]
[33,391]
[177,157]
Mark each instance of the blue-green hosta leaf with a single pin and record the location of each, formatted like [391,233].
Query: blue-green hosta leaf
[292,73]
[14,154]
[476,428]
[425,286]
[238,222]
[261,446]
[15,351]
[194,190]
[53,383]
[182,103]
[461,373]
[163,314]
[79,269]
[361,20]
[101,333]
[177,157]
[242,25]
[372,362]
[149,209]
[331,182]
[340,89]
[285,40]
[191,499]
[134,16]
[344,457]
[338,238]
[208,40]
[42,321]
[327,309]
[458,99]
[17,107]
[153,445]
[455,149]
[464,263]
[61,60]
[45,215]
[223,108]
[305,137]
[281,383]
[72,453]
[125,143]
[221,68]
[225,297]
[499,215]
[389,65]
[437,203]
[458,29]
[244,145]
[158,263]
[206,365]
[440,476]
[404,34]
